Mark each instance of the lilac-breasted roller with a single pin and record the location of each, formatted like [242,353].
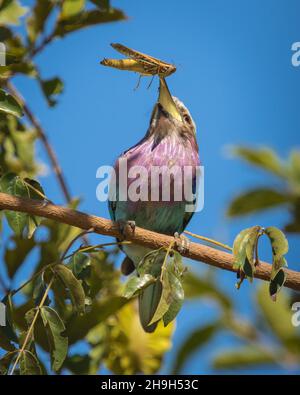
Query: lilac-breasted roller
[170,143]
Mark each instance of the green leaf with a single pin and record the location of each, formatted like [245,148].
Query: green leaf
[9,105]
[87,18]
[278,315]
[276,284]
[264,158]
[177,299]
[244,357]
[5,343]
[13,185]
[11,11]
[78,364]
[294,223]
[256,232]
[9,329]
[39,290]
[151,263]
[278,263]
[29,364]
[280,245]
[80,264]
[19,148]
[171,298]
[164,302]
[240,244]
[36,22]
[71,8]
[79,326]
[197,287]
[244,247]
[35,191]
[294,169]
[5,362]
[14,257]
[58,342]
[197,339]
[256,200]
[51,89]
[73,285]
[124,347]
[176,264]
[136,284]
[29,315]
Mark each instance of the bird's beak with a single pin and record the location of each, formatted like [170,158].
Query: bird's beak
[166,101]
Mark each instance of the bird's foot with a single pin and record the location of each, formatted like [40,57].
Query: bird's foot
[126,228]
[182,243]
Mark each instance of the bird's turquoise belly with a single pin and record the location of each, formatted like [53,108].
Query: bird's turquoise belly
[160,218]
[166,219]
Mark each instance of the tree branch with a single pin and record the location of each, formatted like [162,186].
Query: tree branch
[198,252]
[42,135]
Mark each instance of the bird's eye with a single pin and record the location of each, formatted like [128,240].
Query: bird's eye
[187,118]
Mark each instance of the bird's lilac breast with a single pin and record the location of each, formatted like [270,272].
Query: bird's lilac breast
[174,161]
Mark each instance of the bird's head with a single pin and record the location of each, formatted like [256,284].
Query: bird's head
[170,116]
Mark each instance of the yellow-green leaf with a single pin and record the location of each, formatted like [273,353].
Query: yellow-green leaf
[9,105]
[278,315]
[126,348]
[36,21]
[29,364]
[177,299]
[280,245]
[80,325]
[256,200]
[197,339]
[51,89]
[6,361]
[11,11]
[58,342]
[71,8]
[73,285]
[13,185]
[136,284]
[244,357]
[264,158]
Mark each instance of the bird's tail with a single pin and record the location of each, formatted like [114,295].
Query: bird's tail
[148,302]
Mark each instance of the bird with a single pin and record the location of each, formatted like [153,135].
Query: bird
[169,141]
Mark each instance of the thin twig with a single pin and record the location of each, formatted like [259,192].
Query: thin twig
[47,40]
[207,239]
[152,240]
[14,291]
[44,139]
[30,330]
[83,249]
[99,246]
[42,135]
[81,234]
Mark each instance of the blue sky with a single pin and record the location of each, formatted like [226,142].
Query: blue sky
[234,73]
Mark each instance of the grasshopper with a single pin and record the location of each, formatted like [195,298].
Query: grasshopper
[139,62]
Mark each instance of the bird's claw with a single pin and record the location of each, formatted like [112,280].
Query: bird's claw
[182,243]
[126,227]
